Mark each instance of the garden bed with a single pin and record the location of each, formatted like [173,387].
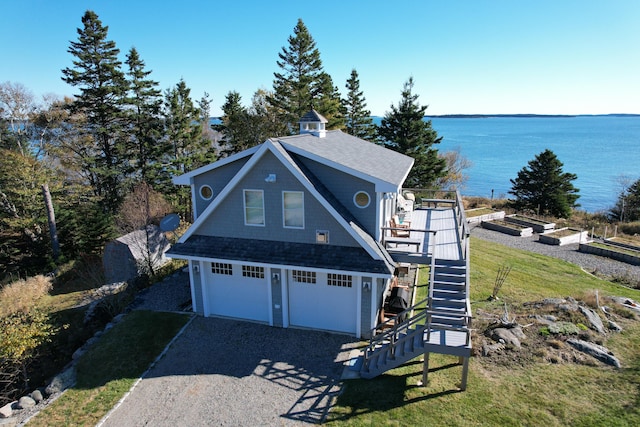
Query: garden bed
[476,216]
[507,228]
[564,236]
[617,252]
[538,226]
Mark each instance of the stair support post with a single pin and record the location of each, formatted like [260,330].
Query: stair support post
[465,372]
[425,368]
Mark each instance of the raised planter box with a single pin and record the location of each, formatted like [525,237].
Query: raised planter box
[627,257]
[622,245]
[537,225]
[504,227]
[563,236]
[484,217]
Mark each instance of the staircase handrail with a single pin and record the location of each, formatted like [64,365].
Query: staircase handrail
[392,336]
[393,321]
[466,328]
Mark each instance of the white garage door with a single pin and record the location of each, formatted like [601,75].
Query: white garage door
[237,291]
[322,301]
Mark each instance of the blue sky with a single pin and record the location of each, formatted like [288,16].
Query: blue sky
[466,56]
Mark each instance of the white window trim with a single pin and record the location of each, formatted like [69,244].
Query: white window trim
[284,224]
[355,196]
[244,203]
[202,187]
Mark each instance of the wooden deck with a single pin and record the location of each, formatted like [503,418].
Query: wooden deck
[447,243]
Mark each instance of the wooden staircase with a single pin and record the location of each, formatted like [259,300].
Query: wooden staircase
[440,324]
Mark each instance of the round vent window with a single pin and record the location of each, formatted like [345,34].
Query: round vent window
[206,192]
[362,199]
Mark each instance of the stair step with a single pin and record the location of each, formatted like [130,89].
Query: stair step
[449,277]
[451,262]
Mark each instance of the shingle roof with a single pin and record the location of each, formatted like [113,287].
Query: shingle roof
[353,154]
[307,255]
[314,116]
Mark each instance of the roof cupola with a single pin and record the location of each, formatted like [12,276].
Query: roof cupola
[313,123]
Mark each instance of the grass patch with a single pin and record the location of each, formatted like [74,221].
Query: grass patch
[109,369]
[535,394]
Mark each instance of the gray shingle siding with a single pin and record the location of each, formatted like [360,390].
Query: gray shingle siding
[344,187]
[217,179]
[227,220]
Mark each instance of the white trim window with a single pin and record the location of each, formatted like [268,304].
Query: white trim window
[254,207]
[293,209]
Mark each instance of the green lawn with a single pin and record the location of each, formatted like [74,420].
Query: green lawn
[531,394]
[109,369]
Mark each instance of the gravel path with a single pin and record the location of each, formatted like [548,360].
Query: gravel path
[224,372]
[592,263]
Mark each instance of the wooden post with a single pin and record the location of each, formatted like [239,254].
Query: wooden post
[465,372]
[425,369]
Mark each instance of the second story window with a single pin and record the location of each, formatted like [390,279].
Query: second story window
[253,207]
[293,209]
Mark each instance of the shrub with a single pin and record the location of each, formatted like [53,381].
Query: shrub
[630,228]
[23,328]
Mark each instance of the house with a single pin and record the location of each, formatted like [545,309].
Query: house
[290,232]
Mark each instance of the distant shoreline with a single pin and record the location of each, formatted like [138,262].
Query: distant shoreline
[484,116]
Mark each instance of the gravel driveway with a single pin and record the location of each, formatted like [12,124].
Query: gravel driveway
[222,372]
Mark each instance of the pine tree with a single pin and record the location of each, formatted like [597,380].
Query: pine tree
[405,130]
[328,102]
[542,187]
[189,148]
[97,72]
[145,146]
[301,83]
[627,207]
[358,118]
[236,126]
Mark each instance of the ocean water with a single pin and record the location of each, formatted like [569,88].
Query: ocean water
[598,149]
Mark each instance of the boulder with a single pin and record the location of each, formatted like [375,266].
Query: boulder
[61,381]
[594,319]
[37,396]
[505,336]
[7,410]
[597,351]
[613,326]
[25,402]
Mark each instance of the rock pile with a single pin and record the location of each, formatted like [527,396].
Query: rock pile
[557,329]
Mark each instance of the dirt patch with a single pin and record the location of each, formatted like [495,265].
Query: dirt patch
[544,328]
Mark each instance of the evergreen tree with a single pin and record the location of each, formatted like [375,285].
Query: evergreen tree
[405,130]
[103,87]
[627,207]
[145,150]
[358,118]
[236,125]
[302,82]
[189,149]
[543,187]
[264,117]
[328,102]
